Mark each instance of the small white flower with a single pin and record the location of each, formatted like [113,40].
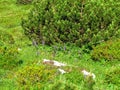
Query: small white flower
[62,71]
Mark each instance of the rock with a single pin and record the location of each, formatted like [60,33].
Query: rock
[19,49]
[53,62]
[86,74]
[62,71]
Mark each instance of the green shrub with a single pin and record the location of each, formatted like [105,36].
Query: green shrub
[113,76]
[6,38]
[61,85]
[36,76]
[73,80]
[79,21]
[109,50]
[24,1]
[8,52]
[75,77]
[8,57]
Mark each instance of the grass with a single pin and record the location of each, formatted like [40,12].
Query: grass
[10,19]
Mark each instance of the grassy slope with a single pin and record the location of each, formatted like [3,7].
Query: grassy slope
[10,18]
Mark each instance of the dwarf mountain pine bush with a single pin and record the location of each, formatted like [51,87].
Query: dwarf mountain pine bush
[81,21]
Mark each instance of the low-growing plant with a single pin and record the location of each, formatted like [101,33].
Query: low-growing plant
[74,80]
[75,76]
[8,57]
[88,83]
[8,51]
[37,76]
[62,85]
[6,38]
[113,76]
[109,50]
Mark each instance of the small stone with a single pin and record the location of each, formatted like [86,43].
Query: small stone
[19,49]
[86,74]
[53,62]
[62,71]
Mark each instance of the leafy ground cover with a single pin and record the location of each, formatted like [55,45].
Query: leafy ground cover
[29,60]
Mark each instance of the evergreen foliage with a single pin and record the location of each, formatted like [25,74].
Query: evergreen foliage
[31,74]
[81,21]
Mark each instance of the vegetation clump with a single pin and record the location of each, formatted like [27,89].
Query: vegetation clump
[8,52]
[82,22]
[62,24]
[6,38]
[35,76]
[8,57]
[113,76]
[61,85]
[109,51]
